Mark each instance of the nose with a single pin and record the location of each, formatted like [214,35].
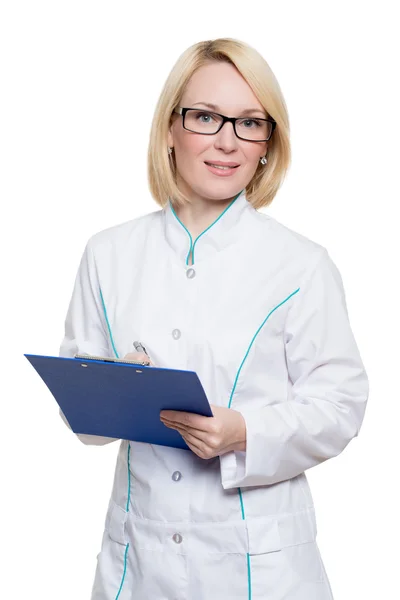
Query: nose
[226,137]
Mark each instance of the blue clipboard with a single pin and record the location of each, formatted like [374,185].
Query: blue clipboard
[121,400]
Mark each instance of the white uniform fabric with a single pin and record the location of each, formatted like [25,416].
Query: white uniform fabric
[261,317]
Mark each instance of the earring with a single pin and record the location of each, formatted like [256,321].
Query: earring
[169,150]
[264,160]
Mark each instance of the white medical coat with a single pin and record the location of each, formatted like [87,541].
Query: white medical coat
[261,317]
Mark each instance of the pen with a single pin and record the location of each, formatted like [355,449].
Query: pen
[139,347]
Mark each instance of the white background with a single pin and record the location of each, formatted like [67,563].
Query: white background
[80,80]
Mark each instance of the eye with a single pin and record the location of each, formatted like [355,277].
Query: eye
[256,121]
[198,115]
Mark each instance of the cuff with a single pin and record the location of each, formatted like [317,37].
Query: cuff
[233,468]
[257,463]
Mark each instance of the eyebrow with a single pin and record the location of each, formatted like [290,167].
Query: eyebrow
[248,111]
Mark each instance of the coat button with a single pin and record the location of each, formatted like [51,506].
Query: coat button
[176,475]
[176,334]
[177,538]
[190,273]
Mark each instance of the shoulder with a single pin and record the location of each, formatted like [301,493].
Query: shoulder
[308,260]
[290,245]
[120,235]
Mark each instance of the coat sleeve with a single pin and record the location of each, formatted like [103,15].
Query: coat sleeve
[85,325]
[329,390]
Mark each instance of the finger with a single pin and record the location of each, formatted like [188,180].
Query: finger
[201,438]
[194,444]
[187,419]
[177,426]
[198,446]
[193,448]
[180,427]
[198,441]
[138,357]
[202,448]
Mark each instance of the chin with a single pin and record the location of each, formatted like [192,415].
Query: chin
[219,192]
[219,186]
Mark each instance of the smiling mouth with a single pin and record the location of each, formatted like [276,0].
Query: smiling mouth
[223,168]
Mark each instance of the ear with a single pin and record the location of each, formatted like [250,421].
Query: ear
[266,149]
[170,138]
[170,131]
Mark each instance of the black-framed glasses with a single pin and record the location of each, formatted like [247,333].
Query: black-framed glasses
[252,129]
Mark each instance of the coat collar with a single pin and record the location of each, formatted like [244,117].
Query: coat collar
[224,231]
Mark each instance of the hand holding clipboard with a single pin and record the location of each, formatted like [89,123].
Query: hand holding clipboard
[117,398]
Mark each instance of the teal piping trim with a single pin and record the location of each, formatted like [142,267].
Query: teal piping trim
[127,510]
[188,232]
[129,479]
[252,341]
[230,401]
[241,504]
[248,555]
[216,220]
[108,324]
[129,452]
[249,575]
[123,576]
[192,245]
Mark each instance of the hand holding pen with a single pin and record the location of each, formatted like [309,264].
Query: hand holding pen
[140,355]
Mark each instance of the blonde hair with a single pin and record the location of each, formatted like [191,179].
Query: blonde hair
[262,188]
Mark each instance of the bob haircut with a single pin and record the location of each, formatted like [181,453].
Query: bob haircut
[161,167]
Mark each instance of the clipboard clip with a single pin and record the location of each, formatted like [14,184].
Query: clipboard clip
[111,360]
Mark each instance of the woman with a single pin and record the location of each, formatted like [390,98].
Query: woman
[207,283]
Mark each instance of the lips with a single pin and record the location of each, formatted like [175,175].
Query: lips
[222,165]
[219,172]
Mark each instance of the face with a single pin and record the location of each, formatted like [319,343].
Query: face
[220,84]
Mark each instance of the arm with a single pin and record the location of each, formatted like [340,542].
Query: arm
[85,325]
[326,406]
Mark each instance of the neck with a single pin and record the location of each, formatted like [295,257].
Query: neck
[201,213]
[197,217]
